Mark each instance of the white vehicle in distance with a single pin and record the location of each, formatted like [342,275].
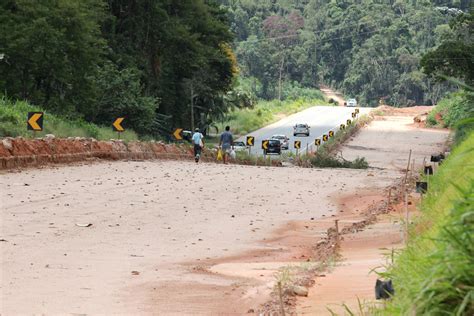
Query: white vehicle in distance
[284,141]
[301,129]
[239,146]
[352,102]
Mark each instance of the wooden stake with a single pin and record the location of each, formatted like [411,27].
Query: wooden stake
[406,172]
[337,231]
[280,295]
[406,216]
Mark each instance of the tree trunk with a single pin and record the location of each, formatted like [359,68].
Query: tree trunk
[192,107]
[279,79]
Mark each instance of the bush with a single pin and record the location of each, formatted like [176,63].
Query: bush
[327,161]
[13,123]
[452,109]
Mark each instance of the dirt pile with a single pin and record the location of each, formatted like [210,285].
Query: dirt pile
[21,152]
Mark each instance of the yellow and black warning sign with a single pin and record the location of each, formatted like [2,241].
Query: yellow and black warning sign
[354,114]
[342,126]
[349,122]
[265,144]
[35,121]
[331,134]
[297,144]
[317,142]
[356,111]
[250,141]
[325,137]
[178,134]
[117,124]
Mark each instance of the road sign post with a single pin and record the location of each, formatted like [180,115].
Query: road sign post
[34,121]
[265,147]
[117,125]
[250,143]
[317,142]
[297,146]
[178,133]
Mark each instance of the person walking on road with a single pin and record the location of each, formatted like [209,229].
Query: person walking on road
[226,143]
[198,144]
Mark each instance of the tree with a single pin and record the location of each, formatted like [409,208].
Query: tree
[52,49]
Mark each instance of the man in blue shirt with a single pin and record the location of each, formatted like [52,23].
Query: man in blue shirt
[198,142]
[226,143]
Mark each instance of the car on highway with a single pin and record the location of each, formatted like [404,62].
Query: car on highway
[352,102]
[301,129]
[285,141]
[274,147]
[239,146]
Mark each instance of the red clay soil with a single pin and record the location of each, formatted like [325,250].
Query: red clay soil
[21,152]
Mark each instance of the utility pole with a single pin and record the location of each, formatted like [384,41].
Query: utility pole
[279,79]
[192,106]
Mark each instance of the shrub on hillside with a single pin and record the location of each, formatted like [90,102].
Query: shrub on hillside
[327,161]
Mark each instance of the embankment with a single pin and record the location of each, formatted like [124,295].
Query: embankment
[434,275]
[21,152]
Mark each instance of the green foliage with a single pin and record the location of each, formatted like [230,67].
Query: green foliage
[327,161]
[370,50]
[119,94]
[97,60]
[51,50]
[452,109]
[181,49]
[433,275]
[455,56]
[13,123]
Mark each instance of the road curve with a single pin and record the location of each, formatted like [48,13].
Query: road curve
[322,119]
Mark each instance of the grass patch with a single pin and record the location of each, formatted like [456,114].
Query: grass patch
[243,157]
[326,161]
[244,121]
[434,274]
[13,116]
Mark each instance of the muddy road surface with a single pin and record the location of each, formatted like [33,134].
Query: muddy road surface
[177,238]
[154,229]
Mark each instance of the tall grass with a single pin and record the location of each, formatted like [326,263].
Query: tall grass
[13,116]
[434,275]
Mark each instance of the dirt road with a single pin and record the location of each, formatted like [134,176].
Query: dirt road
[163,220]
[165,237]
[386,144]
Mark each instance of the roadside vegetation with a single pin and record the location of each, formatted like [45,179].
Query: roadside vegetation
[366,49]
[455,111]
[13,117]
[434,274]
[326,155]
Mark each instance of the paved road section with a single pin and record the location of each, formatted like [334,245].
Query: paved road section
[322,119]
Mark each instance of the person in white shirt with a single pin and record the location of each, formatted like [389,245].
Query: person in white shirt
[198,142]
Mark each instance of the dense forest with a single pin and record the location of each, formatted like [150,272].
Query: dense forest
[369,49]
[168,63]
[100,59]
